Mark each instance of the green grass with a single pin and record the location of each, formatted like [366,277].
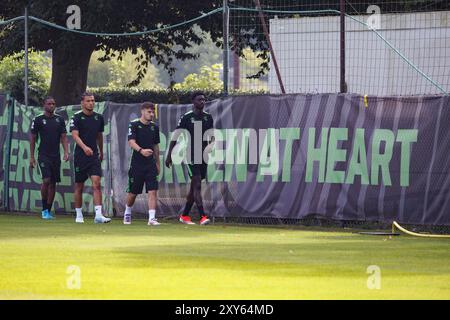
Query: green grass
[175,261]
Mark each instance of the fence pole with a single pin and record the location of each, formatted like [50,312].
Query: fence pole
[9,133]
[343,86]
[25,91]
[226,57]
[269,42]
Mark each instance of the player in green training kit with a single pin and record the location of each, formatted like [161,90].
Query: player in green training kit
[196,122]
[87,131]
[143,138]
[50,129]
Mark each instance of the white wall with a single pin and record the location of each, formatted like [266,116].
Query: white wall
[307,52]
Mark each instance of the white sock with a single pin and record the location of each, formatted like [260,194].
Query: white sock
[79,213]
[151,214]
[98,211]
[127,209]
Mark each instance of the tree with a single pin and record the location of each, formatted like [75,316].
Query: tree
[208,79]
[72,52]
[120,74]
[12,76]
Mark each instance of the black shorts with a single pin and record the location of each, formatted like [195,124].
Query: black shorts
[50,168]
[138,177]
[198,170]
[85,169]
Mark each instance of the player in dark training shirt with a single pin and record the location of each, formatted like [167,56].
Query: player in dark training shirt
[87,131]
[143,138]
[196,122]
[49,129]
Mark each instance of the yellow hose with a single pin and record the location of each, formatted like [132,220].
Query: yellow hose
[399,227]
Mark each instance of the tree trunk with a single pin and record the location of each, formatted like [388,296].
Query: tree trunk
[69,72]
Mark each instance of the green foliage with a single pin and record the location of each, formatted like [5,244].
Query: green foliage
[12,74]
[132,95]
[121,73]
[208,78]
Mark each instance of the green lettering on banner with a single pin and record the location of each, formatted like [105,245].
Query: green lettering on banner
[316,154]
[162,149]
[269,156]
[13,159]
[66,180]
[288,134]
[405,137]
[336,155]
[35,199]
[237,153]
[359,153]
[23,162]
[380,162]
[68,200]
[216,158]
[24,200]
[14,194]
[59,201]
[180,152]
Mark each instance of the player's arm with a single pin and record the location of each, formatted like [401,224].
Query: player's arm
[211,138]
[173,141]
[32,148]
[100,138]
[65,145]
[156,156]
[100,145]
[63,140]
[76,137]
[145,152]
[33,142]
[169,153]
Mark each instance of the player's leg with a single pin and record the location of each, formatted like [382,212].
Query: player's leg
[135,185]
[152,196]
[131,198]
[55,178]
[44,197]
[97,193]
[44,166]
[51,196]
[77,197]
[185,218]
[80,178]
[151,186]
[200,175]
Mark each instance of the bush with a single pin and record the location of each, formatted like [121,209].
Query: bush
[157,96]
[12,75]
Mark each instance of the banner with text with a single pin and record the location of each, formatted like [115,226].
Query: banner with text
[340,156]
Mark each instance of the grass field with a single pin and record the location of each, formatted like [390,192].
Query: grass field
[175,261]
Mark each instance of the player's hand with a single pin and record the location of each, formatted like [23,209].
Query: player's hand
[88,151]
[33,162]
[146,152]
[66,157]
[100,156]
[157,170]
[169,161]
[209,148]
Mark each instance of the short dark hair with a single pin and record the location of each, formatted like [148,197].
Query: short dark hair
[47,98]
[86,94]
[147,105]
[197,93]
